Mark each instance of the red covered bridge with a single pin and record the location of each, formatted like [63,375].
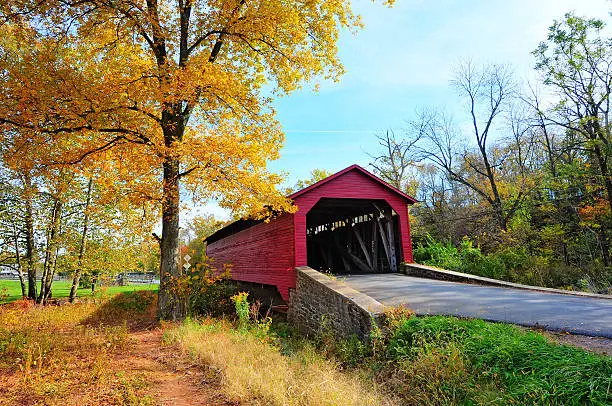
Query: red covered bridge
[350,222]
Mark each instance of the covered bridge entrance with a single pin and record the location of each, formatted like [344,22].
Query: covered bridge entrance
[353,236]
[351,221]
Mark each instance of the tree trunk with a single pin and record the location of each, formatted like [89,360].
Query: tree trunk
[603,235]
[77,275]
[50,276]
[499,214]
[29,233]
[171,305]
[174,118]
[47,278]
[18,261]
[498,207]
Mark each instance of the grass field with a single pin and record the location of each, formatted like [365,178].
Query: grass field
[10,290]
[114,351]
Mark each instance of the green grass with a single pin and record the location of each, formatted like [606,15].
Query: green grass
[10,290]
[476,362]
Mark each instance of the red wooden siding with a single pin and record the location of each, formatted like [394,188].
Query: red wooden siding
[262,253]
[353,184]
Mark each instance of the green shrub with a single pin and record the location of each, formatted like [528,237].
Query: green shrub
[437,253]
[352,351]
[466,258]
[205,290]
[514,264]
[213,299]
[475,262]
[241,305]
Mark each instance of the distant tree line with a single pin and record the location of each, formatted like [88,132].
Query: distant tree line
[524,183]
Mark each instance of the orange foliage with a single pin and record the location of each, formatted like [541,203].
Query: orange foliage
[593,213]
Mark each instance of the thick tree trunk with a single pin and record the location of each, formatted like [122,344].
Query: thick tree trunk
[77,275]
[498,210]
[171,304]
[174,120]
[29,234]
[498,207]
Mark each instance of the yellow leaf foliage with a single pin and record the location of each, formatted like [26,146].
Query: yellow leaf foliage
[129,86]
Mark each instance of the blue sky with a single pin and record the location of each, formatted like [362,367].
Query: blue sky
[402,60]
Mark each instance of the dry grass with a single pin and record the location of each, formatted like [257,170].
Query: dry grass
[252,370]
[52,355]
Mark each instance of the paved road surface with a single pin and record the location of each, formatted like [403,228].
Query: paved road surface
[559,312]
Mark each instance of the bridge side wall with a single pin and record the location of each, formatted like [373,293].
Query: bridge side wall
[263,253]
[319,302]
[430,272]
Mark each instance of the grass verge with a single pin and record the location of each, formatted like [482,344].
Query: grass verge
[410,361]
[446,360]
[84,354]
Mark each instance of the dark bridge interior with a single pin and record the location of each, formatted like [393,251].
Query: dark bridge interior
[353,236]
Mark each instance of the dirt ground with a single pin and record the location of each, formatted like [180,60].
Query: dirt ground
[177,381]
[111,354]
[600,345]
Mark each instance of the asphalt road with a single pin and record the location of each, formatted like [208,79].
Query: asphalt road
[552,311]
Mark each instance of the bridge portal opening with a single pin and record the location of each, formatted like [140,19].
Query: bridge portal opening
[353,236]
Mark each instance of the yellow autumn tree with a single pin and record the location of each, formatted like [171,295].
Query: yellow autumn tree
[172,95]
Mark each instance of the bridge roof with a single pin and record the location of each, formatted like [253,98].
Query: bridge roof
[357,168]
[243,224]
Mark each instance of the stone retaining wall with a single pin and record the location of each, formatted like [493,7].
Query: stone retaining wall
[319,300]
